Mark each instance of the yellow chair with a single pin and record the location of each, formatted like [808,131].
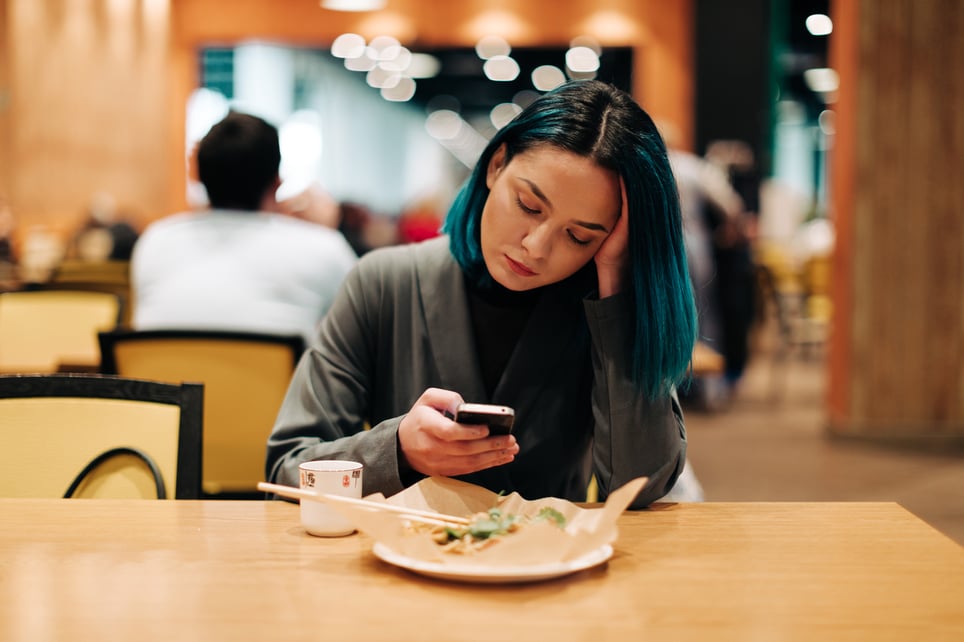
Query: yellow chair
[245,377]
[44,331]
[89,435]
[98,276]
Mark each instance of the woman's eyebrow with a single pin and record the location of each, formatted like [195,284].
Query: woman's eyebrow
[589,225]
[538,192]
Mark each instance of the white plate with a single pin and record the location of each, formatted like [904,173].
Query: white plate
[494,574]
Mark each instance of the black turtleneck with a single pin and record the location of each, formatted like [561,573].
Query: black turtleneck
[499,316]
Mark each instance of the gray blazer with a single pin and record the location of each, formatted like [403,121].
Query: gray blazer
[400,324]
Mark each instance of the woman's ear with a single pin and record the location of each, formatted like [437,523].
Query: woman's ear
[496,163]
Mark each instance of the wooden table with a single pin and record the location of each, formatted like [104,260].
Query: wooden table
[231,571]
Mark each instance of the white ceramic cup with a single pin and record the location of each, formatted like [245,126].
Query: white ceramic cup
[328,477]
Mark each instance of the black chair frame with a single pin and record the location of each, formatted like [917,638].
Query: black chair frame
[189,397]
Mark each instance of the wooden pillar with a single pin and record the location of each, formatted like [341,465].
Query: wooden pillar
[897,347]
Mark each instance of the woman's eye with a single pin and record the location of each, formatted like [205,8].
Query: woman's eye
[525,208]
[578,241]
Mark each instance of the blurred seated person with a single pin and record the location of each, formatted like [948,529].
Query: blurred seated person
[8,258]
[242,264]
[106,235]
[356,222]
[420,222]
[312,204]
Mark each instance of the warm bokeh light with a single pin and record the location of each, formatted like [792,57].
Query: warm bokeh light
[401,91]
[819,24]
[821,80]
[400,62]
[353,5]
[443,124]
[547,77]
[364,62]
[611,27]
[586,41]
[383,47]
[507,24]
[423,66]
[348,45]
[582,60]
[501,68]
[503,113]
[491,46]
[390,23]
[381,78]
[827,120]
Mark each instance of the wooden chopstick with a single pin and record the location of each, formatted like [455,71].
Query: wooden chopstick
[298,493]
[289,491]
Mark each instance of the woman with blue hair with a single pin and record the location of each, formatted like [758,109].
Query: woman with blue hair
[560,289]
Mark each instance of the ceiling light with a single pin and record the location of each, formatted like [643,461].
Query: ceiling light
[353,5]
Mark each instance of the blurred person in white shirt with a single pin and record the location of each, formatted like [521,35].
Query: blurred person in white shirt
[245,263]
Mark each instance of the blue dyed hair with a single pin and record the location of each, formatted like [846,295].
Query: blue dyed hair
[602,123]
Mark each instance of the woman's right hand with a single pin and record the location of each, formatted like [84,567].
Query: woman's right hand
[433,444]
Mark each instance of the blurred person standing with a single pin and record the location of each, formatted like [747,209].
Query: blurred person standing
[711,210]
[243,264]
[733,253]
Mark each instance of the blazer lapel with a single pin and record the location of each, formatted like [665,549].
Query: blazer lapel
[441,289]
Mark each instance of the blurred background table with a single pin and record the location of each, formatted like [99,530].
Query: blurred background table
[245,570]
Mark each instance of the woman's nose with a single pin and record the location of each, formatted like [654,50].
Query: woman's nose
[537,240]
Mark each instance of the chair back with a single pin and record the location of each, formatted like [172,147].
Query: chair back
[115,437]
[99,276]
[245,377]
[43,331]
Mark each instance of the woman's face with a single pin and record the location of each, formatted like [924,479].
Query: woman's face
[547,213]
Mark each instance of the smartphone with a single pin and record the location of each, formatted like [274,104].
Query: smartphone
[499,419]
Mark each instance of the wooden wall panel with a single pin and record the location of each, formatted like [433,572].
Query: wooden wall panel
[4,106]
[86,106]
[904,371]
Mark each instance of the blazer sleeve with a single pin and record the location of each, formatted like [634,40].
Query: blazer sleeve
[633,436]
[323,414]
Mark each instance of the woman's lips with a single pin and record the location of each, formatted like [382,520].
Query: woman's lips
[518,268]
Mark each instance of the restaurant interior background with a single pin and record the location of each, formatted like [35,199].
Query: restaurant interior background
[106,97]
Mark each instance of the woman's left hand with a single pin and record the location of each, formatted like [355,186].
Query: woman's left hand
[612,258]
